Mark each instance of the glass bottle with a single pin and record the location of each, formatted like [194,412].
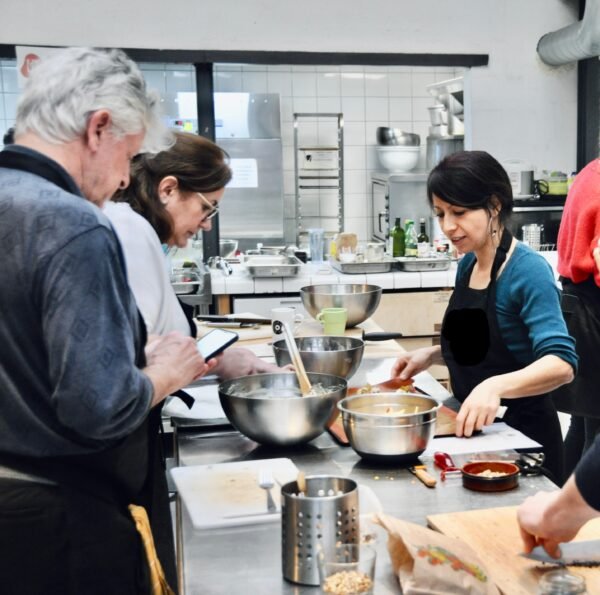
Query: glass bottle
[397,239]
[422,240]
[561,582]
[411,238]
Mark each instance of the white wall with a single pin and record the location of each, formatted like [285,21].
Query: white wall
[520,108]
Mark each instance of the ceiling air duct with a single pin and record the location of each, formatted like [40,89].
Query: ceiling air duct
[576,42]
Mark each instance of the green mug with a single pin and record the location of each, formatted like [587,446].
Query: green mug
[333,320]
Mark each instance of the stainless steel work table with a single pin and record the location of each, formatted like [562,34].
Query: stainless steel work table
[248,559]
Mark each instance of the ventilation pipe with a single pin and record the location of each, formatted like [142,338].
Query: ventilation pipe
[576,42]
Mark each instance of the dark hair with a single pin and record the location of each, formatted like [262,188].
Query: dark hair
[9,136]
[198,164]
[474,180]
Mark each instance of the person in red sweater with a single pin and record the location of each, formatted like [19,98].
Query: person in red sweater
[578,238]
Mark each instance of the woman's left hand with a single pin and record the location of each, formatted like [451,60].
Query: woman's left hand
[478,410]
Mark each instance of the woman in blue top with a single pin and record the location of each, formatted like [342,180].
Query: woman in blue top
[503,339]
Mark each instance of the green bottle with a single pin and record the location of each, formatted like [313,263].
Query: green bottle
[411,238]
[397,239]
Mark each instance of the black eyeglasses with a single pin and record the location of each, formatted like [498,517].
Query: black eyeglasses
[213,209]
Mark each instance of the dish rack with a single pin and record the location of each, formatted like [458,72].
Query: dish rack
[318,173]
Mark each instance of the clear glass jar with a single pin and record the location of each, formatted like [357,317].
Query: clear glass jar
[561,582]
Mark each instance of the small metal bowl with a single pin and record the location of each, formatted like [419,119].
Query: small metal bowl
[387,136]
[389,427]
[472,479]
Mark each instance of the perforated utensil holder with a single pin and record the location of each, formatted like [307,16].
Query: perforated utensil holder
[326,514]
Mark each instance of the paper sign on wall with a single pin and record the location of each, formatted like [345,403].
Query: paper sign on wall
[245,173]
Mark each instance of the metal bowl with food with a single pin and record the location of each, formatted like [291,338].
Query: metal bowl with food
[339,356]
[490,476]
[389,426]
[360,300]
[269,408]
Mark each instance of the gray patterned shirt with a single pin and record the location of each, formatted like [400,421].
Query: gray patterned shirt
[68,322]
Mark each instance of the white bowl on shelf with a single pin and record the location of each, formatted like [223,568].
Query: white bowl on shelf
[398,158]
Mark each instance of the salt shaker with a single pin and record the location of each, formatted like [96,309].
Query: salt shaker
[561,582]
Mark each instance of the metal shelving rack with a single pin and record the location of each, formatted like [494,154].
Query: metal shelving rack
[313,179]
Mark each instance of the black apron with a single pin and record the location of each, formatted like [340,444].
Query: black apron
[580,304]
[474,350]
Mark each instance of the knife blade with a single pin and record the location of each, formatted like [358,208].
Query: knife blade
[239,319]
[573,553]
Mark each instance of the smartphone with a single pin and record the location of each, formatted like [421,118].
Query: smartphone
[215,342]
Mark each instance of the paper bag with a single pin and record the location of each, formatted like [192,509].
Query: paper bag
[429,563]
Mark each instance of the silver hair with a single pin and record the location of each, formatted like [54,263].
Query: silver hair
[64,89]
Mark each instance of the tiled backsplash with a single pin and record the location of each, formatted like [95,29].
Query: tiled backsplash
[9,92]
[368,97]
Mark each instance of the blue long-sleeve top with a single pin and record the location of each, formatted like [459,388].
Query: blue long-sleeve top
[528,308]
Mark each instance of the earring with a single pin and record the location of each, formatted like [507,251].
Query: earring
[164,201]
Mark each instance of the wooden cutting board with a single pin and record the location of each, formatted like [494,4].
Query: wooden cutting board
[494,534]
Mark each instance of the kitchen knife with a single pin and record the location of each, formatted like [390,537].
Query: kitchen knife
[239,319]
[573,553]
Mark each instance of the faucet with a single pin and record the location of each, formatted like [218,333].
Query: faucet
[217,262]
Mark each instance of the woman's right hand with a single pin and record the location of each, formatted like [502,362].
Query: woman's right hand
[413,362]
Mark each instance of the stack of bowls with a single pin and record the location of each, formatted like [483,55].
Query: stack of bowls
[397,150]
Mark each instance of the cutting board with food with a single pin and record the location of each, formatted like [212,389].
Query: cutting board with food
[494,534]
[229,494]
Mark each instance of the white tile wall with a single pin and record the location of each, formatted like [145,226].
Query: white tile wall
[368,96]
[9,93]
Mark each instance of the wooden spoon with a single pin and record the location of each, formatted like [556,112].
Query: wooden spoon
[301,482]
[305,386]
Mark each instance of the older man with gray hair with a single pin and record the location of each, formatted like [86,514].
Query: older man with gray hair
[78,379]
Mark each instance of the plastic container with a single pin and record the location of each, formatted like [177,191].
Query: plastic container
[316,240]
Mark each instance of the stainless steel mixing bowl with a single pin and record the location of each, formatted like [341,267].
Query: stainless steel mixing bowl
[339,356]
[395,136]
[389,426]
[268,408]
[361,300]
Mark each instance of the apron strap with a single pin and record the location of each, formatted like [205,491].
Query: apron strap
[501,253]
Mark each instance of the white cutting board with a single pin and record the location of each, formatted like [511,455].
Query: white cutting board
[228,494]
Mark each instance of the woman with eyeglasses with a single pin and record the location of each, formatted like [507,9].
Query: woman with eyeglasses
[171,196]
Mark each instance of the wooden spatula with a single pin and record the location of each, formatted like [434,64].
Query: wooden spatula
[303,381]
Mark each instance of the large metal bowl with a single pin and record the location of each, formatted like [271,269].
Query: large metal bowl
[339,356]
[268,408]
[389,426]
[361,300]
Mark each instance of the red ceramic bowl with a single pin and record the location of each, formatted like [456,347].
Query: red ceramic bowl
[480,483]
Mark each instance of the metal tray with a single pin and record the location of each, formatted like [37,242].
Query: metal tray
[365,266]
[266,265]
[184,283]
[415,265]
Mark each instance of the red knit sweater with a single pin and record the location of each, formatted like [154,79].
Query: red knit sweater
[580,226]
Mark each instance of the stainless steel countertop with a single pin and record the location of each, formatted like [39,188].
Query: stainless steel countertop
[248,559]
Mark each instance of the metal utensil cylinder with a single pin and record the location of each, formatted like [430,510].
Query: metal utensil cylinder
[327,513]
